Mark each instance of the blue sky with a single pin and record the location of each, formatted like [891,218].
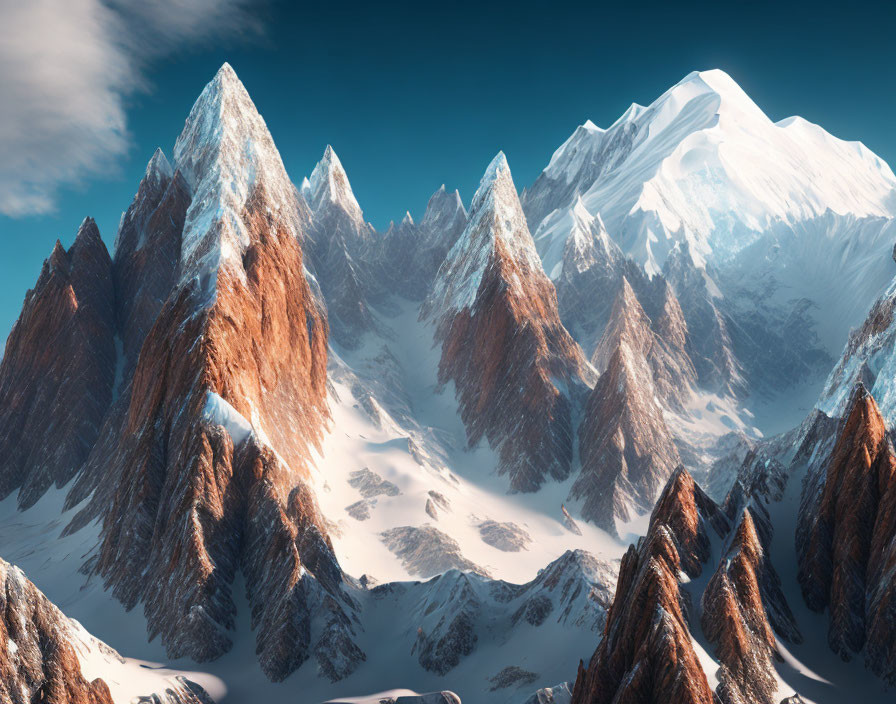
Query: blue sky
[410,95]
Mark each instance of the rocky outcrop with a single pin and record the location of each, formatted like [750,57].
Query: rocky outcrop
[147,254]
[845,543]
[426,551]
[508,537]
[39,649]
[646,654]
[662,345]
[736,622]
[201,472]
[513,364]
[58,370]
[47,657]
[710,348]
[627,450]
[558,694]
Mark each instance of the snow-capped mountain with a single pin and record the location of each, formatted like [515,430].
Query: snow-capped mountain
[515,368]
[704,165]
[770,214]
[264,422]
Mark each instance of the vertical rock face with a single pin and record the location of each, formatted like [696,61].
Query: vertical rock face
[734,618]
[38,656]
[511,360]
[341,244]
[626,447]
[147,254]
[846,545]
[58,370]
[646,654]
[204,467]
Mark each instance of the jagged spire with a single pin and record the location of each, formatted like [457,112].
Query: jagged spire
[329,184]
[226,154]
[496,222]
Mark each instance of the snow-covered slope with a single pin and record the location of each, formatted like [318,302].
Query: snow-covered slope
[704,164]
[789,226]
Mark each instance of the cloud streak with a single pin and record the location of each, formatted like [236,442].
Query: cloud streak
[66,69]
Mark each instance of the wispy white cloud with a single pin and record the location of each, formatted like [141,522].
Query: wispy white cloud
[66,69]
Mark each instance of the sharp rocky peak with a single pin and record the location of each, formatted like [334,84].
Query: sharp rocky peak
[496,222]
[443,207]
[227,156]
[329,185]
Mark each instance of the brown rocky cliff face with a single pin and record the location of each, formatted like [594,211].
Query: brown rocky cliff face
[847,551]
[504,347]
[200,471]
[646,654]
[626,448]
[190,501]
[38,660]
[58,370]
[734,619]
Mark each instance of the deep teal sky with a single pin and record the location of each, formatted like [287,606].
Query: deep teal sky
[412,95]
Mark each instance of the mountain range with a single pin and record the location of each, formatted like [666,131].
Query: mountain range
[297,459]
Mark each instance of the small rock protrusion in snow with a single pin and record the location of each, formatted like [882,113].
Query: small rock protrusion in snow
[511,676]
[440,500]
[426,551]
[558,694]
[508,537]
[371,484]
[568,521]
[360,510]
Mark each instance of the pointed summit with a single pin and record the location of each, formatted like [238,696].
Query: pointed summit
[329,185]
[496,228]
[845,540]
[158,170]
[503,345]
[227,156]
[628,324]
[239,342]
[444,212]
[57,372]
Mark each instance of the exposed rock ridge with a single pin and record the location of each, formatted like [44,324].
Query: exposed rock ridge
[58,369]
[512,362]
[344,249]
[846,545]
[411,253]
[201,470]
[38,649]
[646,654]
[627,450]
[147,254]
[736,618]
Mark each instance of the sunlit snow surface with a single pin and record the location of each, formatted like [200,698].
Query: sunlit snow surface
[781,211]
